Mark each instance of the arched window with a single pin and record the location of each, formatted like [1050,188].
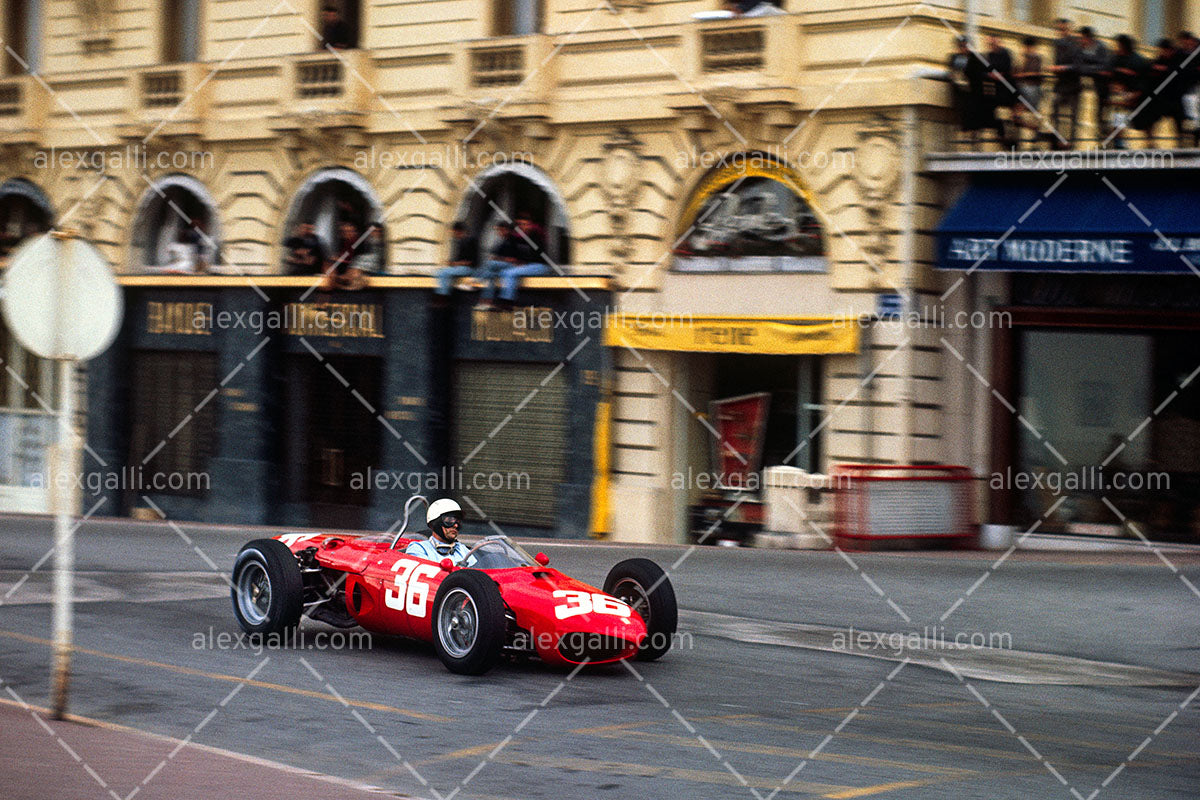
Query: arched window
[329,201]
[175,229]
[24,211]
[502,192]
[751,215]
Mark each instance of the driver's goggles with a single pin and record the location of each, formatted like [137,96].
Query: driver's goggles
[450,519]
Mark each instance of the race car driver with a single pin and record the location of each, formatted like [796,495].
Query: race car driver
[444,519]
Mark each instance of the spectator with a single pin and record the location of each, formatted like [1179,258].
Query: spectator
[1128,69]
[998,86]
[1028,77]
[371,250]
[335,31]
[1189,51]
[520,254]
[304,253]
[503,256]
[341,272]
[184,254]
[529,248]
[464,258]
[1166,89]
[1066,83]
[969,75]
[1093,65]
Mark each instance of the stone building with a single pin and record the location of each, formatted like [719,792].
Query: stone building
[730,206]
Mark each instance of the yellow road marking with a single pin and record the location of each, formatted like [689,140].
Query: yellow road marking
[219,676]
[1033,737]
[880,788]
[789,752]
[661,771]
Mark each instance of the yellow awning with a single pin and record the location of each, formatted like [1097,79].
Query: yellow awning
[711,334]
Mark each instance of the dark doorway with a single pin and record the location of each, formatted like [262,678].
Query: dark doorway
[332,438]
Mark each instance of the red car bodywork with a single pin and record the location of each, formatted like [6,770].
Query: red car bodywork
[562,620]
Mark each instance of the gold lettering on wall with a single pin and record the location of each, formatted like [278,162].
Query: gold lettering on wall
[351,320]
[523,325]
[187,319]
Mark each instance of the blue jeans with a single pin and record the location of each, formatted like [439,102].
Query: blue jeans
[447,275]
[511,274]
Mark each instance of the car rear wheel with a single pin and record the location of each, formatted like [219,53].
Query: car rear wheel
[643,585]
[268,592]
[468,622]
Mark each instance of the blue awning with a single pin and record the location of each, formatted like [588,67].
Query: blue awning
[1075,222]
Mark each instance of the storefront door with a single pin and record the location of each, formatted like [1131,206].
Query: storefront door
[332,440]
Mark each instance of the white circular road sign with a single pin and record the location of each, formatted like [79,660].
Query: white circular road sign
[60,298]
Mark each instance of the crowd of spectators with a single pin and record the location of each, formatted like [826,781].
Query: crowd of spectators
[518,252]
[995,91]
[353,256]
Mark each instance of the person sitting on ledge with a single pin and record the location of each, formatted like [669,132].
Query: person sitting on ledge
[340,272]
[464,258]
[304,254]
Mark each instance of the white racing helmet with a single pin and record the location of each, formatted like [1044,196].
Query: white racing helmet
[439,507]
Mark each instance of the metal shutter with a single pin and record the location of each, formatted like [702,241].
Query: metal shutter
[533,441]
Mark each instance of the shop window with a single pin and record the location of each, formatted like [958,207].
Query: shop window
[502,194]
[22,36]
[28,397]
[175,228]
[168,388]
[23,213]
[339,27]
[752,215]
[516,17]
[793,414]
[180,35]
[515,476]
[326,224]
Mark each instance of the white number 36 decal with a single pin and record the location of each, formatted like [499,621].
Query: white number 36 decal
[411,593]
[588,603]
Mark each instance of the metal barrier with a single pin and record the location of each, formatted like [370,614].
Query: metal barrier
[876,502]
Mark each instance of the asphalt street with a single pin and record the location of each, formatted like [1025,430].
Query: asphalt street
[798,674]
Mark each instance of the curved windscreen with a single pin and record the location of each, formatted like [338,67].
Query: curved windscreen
[498,552]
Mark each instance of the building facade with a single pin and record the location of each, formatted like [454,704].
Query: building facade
[731,207]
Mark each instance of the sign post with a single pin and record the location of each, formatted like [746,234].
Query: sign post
[62,303]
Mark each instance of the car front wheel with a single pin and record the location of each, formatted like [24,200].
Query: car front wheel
[267,589]
[468,622]
[643,585]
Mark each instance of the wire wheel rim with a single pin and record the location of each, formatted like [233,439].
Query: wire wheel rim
[633,594]
[254,593]
[458,623]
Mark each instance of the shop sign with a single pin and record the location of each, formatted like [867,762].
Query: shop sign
[533,324]
[346,320]
[748,335]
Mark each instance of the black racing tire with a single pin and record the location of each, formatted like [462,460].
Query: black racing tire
[267,566]
[468,622]
[642,584]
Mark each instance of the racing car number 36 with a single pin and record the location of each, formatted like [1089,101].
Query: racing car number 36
[588,603]
[411,592]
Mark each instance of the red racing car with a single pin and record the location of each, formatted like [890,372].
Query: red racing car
[507,602]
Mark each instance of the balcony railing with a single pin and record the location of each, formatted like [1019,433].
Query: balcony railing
[1037,127]
[735,50]
[162,89]
[498,66]
[10,99]
[319,79]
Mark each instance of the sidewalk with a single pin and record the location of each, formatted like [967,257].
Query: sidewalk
[44,759]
